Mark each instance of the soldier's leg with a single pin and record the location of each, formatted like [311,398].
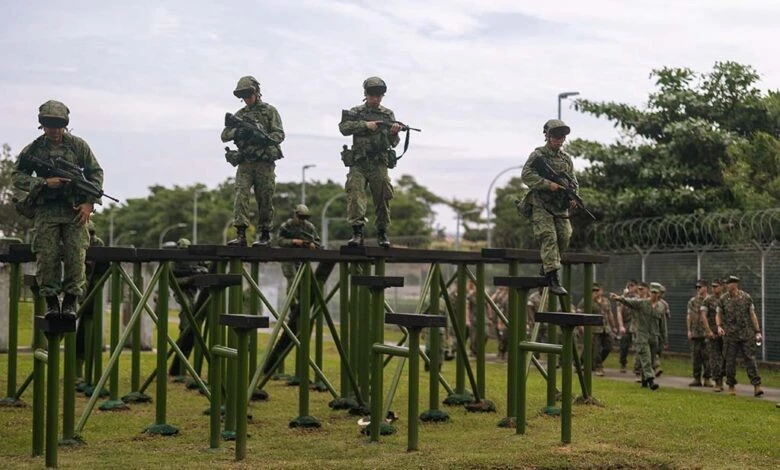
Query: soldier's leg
[654,352]
[695,358]
[381,194]
[75,240]
[625,345]
[544,232]
[715,356]
[704,358]
[748,351]
[606,346]
[264,185]
[46,246]
[730,352]
[241,200]
[645,361]
[355,189]
[563,232]
[597,346]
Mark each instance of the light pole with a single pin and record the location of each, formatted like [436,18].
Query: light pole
[487,202]
[119,237]
[563,96]
[457,228]
[324,224]
[167,229]
[195,217]
[303,182]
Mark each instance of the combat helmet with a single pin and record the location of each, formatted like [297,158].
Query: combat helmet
[53,114]
[556,128]
[245,86]
[183,243]
[374,86]
[301,210]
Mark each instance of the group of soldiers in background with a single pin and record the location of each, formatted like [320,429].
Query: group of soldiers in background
[722,325]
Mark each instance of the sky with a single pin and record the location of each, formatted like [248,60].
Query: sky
[148,82]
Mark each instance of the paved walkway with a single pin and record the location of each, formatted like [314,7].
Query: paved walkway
[770,394]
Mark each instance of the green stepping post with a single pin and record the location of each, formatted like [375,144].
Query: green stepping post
[114,403]
[304,420]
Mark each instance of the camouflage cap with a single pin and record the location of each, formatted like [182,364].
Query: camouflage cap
[375,84]
[245,86]
[302,210]
[732,279]
[556,128]
[183,243]
[53,114]
[701,283]
[655,287]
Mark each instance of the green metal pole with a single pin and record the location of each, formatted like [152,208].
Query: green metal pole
[135,359]
[514,327]
[113,402]
[552,358]
[414,388]
[52,398]
[13,334]
[364,325]
[480,298]
[69,390]
[254,309]
[587,358]
[460,317]
[215,372]
[344,326]
[242,363]
[39,382]
[235,294]
[160,426]
[566,385]
[97,339]
[522,375]
[377,363]
[435,359]
[302,363]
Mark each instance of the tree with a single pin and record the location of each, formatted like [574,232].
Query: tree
[11,223]
[511,230]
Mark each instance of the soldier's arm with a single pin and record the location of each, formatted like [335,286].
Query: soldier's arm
[394,137]
[754,318]
[703,320]
[611,316]
[350,127]
[530,177]
[718,321]
[228,134]
[275,131]
[285,237]
[92,170]
[21,175]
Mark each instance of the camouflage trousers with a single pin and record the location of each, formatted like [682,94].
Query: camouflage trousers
[602,346]
[747,349]
[60,247]
[701,366]
[363,176]
[715,357]
[625,346]
[643,356]
[261,177]
[553,235]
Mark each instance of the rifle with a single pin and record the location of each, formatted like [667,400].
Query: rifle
[564,181]
[347,115]
[62,168]
[259,135]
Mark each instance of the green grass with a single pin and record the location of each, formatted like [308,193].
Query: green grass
[636,429]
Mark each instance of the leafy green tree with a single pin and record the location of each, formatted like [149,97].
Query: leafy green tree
[11,223]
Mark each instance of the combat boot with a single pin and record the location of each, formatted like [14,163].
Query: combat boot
[707,383]
[240,239]
[381,239]
[757,390]
[52,307]
[68,307]
[264,240]
[554,284]
[652,385]
[696,382]
[357,236]
[718,385]
[732,390]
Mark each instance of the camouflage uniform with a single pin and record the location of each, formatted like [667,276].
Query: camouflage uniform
[626,340]
[290,230]
[371,155]
[647,320]
[256,167]
[60,243]
[716,359]
[501,299]
[739,336]
[471,317]
[698,339]
[660,340]
[602,334]
[532,306]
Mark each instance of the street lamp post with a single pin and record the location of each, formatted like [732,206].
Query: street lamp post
[457,228]
[487,202]
[167,229]
[303,182]
[563,96]
[119,237]
[324,224]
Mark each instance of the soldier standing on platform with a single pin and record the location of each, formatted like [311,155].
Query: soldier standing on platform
[547,203]
[61,211]
[738,325]
[374,134]
[257,131]
[697,336]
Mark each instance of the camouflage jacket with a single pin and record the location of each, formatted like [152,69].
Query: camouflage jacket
[267,118]
[735,315]
[648,319]
[540,194]
[604,308]
[295,228]
[628,314]
[74,150]
[365,142]
[712,303]
[694,319]
[532,306]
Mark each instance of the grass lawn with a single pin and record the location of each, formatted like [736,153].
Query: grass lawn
[636,429]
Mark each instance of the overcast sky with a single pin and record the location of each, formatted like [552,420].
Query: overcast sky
[148,82]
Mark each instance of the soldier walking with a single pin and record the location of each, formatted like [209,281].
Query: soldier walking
[697,336]
[258,149]
[602,334]
[707,317]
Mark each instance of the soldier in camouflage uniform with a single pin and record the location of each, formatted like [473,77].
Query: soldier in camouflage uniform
[648,314]
[707,314]
[297,232]
[602,335]
[61,212]
[546,202]
[661,342]
[501,299]
[738,325]
[697,336]
[368,160]
[258,151]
